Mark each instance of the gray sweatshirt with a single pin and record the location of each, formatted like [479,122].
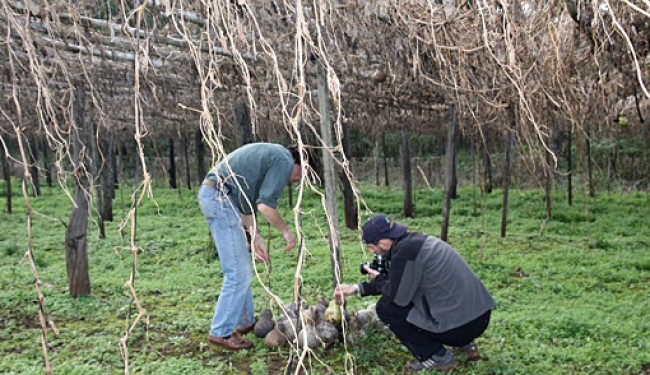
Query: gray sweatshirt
[429,273]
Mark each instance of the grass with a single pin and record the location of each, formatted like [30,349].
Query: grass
[574,300]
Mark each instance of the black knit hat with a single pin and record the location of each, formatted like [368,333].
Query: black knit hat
[381,226]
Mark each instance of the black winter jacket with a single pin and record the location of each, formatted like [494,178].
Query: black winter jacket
[429,273]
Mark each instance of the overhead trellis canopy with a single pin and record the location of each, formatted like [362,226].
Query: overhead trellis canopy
[190,60]
[412,56]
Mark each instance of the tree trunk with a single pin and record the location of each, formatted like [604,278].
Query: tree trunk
[114,153]
[330,175]
[569,158]
[452,140]
[383,140]
[612,152]
[186,153]
[507,172]
[487,164]
[548,185]
[172,165]
[33,167]
[558,140]
[376,157]
[548,171]
[108,175]
[94,170]
[609,164]
[76,231]
[200,155]
[243,124]
[349,206]
[475,171]
[408,181]
[7,176]
[592,190]
[450,189]
[45,148]
[137,161]
[122,156]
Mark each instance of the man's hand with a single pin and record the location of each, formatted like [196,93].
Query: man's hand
[343,290]
[371,273]
[291,240]
[272,216]
[261,252]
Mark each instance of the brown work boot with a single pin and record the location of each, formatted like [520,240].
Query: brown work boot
[246,329]
[234,342]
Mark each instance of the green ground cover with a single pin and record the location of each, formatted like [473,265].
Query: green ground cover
[573,300]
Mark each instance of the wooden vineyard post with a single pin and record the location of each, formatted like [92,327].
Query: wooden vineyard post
[450,189]
[76,239]
[408,180]
[330,176]
[508,170]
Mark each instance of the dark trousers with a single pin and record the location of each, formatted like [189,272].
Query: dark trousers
[422,343]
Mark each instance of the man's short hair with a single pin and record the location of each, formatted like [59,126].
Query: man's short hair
[308,154]
[312,158]
[295,152]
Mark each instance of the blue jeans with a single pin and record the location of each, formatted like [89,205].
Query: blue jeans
[234,307]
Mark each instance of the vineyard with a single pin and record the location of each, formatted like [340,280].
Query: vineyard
[571,301]
[516,131]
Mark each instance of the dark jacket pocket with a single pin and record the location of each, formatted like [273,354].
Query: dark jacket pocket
[425,306]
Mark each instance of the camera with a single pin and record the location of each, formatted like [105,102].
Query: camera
[378,264]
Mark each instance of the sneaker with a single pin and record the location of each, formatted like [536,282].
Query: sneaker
[471,350]
[441,363]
